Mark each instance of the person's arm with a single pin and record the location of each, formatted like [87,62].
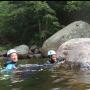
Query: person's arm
[61,60]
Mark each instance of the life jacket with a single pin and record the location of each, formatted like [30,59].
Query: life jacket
[9,62]
[9,66]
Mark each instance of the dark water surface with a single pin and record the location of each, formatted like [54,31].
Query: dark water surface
[59,79]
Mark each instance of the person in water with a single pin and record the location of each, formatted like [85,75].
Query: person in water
[11,61]
[53,58]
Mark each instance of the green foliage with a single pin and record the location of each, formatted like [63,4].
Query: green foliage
[32,22]
[2,48]
[6,47]
[77,5]
[72,5]
[27,21]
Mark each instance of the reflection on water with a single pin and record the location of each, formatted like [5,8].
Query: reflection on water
[84,77]
[60,79]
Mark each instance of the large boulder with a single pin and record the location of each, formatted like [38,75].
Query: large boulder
[76,51]
[22,51]
[78,29]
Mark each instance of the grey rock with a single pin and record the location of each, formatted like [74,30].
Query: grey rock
[77,29]
[76,51]
[22,50]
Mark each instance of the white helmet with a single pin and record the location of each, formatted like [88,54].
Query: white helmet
[11,51]
[51,52]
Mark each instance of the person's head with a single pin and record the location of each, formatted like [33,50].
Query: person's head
[12,55]
[52,55]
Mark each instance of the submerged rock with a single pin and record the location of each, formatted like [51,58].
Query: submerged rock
[58,80]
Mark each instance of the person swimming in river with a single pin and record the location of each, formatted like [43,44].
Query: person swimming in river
[11,61]
[53,58]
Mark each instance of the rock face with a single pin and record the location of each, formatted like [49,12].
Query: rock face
[33,48]
[22,50]
[76,51]
[78,29]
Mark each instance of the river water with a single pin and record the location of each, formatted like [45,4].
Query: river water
[58,79]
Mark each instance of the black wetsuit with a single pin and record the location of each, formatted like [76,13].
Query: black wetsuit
[59,59]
